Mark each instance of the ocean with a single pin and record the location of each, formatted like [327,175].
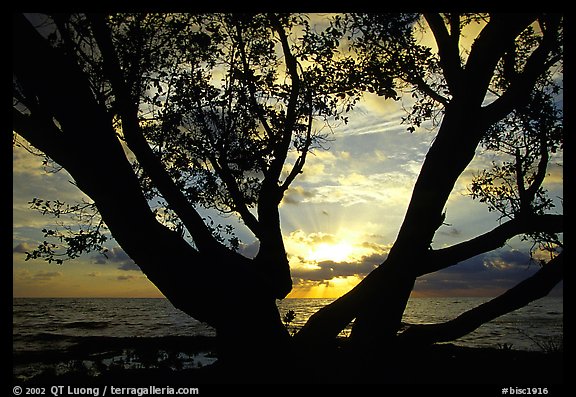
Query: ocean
[46,331]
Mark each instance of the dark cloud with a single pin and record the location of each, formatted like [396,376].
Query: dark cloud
[516,258]
[128,266]
[449,231]
[328,270]
[295,195]
[113,255]
[495,271]
[373,246]
[118,257]
[249,250]
[23,248]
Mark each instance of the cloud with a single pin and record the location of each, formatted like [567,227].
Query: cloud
[369,162]
[372,160]
[555,177]
[30,180]
[45,276]
[300,237]
[126,278]
[42,276]
[495,272]
[118,257]
[488,274]
[327,270]
[129,266]
[23,248]
[249,250]
[113,255]
[296,194]
[317,258]
[391,189]
[449,230]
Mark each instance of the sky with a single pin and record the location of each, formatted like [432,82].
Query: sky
[339,220]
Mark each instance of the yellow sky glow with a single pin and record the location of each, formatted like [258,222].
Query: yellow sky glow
[332,289]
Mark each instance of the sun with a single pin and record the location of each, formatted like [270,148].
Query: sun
[336,252]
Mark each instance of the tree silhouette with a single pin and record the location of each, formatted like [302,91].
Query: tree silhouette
[203,110]
[507,61]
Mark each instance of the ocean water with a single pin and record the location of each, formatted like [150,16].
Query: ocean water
[58,325]
[535,327]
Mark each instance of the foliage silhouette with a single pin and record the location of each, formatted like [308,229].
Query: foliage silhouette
[205,110]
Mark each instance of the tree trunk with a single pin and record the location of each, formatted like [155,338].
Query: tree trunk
[385,291]
[272,259]
[220,288]
[378,302]
[367,297]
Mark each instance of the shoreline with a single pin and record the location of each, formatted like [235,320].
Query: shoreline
[190,360]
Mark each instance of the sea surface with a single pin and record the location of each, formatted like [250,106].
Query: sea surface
[59,324]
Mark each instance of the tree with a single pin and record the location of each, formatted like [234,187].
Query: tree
[197,110]
[512,65]
[202,111]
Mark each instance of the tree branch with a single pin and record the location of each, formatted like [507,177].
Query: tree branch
[250,84]
[540,172]
[299,164]
[446,257]
[95,158]
[410,76]
[223,171]
[524,201]
[63,92]
[522,84]
[534,287]
[136,141]
[447,49]
[496,38]
[40,133]
[220,166]
[281,147]
[419,82]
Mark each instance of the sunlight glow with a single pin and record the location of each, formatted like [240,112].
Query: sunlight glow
[336,252]
[331,289]
[342,246]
